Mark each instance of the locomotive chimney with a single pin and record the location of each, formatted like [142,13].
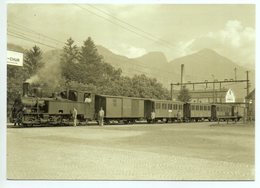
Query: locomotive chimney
[25,89]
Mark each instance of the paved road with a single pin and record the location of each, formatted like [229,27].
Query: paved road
[198,151]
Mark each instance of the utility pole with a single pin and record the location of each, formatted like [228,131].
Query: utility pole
[213,76]
[247,83]
[247,92]
[214,91]
[182,70]
[235,69]
[171,92]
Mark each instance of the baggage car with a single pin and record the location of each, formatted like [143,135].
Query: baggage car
[119,108]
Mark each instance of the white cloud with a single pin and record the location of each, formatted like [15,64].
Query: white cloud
[235,34]
[234,41]
[129,51]
[184,48]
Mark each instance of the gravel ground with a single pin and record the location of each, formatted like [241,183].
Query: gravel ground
[194,151]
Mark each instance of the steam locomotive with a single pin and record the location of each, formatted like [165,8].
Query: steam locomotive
[34,109]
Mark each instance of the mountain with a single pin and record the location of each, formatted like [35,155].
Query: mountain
[16,48]
[152,58]
[203,65]
[153,64]
[115,60]
[208,65]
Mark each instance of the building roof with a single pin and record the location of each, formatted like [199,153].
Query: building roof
[251,95]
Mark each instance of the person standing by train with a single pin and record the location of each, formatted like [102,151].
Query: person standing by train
[153,116]
[17,111]
[178,116]
[101,115]
[74,115]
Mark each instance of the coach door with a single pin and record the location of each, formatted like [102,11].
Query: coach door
[213,112]
[186,111]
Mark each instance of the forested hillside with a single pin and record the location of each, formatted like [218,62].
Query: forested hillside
[80,68]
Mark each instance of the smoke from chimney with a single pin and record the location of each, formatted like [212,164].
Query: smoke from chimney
[50,73]
[25,89]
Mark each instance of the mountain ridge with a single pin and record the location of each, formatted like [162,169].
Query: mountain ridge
[205,64]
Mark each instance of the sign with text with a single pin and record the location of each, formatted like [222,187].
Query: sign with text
[230,96]
[14,58]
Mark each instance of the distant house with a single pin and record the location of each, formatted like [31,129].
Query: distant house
[250,100]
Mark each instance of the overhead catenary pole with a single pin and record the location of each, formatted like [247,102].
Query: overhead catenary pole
[213,76]
[182,70]
[247,93]
[214,82]
[214,91]
[171,91]
[247,83]
[235,69]
[209,82]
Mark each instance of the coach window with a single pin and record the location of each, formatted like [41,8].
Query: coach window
[192,107]
[158,105]
[217,108]
[208,108]
[114,102]
[180,107]
[87,97]
[197,107]
[73,95]
[170,106]
[63,94]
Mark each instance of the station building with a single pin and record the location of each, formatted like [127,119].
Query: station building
[205,96]
[250,101]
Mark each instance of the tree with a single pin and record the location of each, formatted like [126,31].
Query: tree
[33,60]
[70,52]
[184,95]
[85,68]
[69,59]
[89,54]
[145,87]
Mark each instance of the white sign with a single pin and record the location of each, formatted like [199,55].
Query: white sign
[230,96]
[14,58]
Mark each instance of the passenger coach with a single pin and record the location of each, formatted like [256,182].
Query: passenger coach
[165,110]
[197,111]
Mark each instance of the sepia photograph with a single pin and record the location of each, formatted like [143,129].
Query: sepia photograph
[98,91]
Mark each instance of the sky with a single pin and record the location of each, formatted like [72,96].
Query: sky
[133,30]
